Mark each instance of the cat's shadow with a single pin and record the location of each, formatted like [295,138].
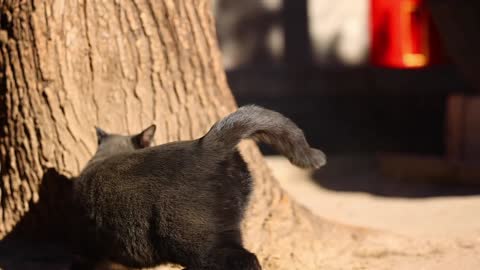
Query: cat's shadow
[29,255]
[40,239]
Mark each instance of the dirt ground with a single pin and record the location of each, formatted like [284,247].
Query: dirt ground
[410,226]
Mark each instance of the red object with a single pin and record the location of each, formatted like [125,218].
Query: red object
[403,35]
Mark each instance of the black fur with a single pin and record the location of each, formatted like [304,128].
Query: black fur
[180,202]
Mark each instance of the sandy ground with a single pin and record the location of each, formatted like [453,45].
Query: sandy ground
[426,232]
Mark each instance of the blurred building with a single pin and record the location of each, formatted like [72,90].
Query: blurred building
[309,59]
[255,32]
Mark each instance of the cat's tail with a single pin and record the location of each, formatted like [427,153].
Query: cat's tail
[264,126]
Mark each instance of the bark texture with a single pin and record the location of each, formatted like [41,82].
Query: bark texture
[67,65]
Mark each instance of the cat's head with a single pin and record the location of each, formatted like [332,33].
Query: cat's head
[111,144]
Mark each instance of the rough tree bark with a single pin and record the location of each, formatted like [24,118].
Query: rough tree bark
[67,65]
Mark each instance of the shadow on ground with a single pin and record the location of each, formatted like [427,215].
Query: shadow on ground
[16,254]
[39,239]
[361,174]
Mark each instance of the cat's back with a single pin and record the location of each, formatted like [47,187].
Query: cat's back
[159,168]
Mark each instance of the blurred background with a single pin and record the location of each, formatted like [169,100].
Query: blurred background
[386,88]
[310,60]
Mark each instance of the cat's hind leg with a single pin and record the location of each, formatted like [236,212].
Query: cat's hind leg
[230,258]
[236,258]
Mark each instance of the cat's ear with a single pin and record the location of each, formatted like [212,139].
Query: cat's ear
[145,138]
[101,134]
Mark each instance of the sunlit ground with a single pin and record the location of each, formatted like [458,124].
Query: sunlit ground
[452,216]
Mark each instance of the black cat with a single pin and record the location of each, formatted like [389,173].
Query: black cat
[180,202]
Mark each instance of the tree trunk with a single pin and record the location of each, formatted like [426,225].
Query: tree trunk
[123,65]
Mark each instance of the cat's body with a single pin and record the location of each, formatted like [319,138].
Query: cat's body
[180,202]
